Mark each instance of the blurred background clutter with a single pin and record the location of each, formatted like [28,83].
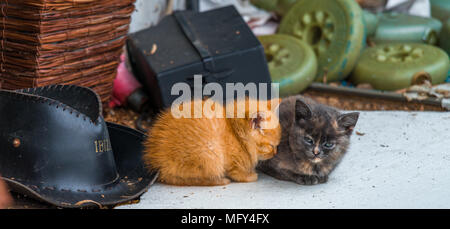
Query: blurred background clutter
[351,54]
[381,35]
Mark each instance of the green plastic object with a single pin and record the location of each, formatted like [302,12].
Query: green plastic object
[371,22]
[292,63]
[444,41]
[278,6]
[395,27]
[440,9]
[333,28]
[397,66]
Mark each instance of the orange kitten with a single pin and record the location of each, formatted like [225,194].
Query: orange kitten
[211,151]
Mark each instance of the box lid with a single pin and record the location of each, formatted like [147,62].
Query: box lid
[186,38]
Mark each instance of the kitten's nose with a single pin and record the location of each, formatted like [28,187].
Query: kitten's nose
[316,151]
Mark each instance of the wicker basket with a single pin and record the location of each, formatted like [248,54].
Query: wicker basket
[47,42]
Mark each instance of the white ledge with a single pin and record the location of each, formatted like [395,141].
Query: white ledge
[402,161]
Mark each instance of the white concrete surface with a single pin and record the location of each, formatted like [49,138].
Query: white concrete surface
[402,161]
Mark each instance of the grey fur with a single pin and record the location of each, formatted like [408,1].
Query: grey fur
[304,121]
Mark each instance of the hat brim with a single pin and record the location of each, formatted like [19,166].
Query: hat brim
[134,179]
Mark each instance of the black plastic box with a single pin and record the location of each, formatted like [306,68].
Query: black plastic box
[217,44]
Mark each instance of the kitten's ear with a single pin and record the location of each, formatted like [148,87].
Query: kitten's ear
[348,121]
[256,120]
[302,110]
[274,103]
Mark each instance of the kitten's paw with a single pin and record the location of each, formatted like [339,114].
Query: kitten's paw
[323,179]
[311,180]
[223,181]
[252,177]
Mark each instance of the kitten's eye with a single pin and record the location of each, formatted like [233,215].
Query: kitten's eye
[328,145]
[308,140]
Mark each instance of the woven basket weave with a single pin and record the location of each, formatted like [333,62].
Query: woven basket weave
[45,42]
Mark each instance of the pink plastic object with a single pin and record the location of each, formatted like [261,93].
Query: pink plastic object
[124,85]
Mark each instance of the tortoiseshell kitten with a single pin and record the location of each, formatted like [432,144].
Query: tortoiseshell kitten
[314,139]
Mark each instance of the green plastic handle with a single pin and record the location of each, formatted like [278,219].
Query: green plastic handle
[394,27]
[444,41]
[440,9]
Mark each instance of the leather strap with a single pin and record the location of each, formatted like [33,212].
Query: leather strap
[204,53]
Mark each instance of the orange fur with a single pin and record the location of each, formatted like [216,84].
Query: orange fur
[210,151]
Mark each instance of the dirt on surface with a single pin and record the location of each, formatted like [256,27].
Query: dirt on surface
[346,102]
[120,115]
[125,116]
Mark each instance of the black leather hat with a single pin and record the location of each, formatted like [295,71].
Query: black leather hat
[56,147]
